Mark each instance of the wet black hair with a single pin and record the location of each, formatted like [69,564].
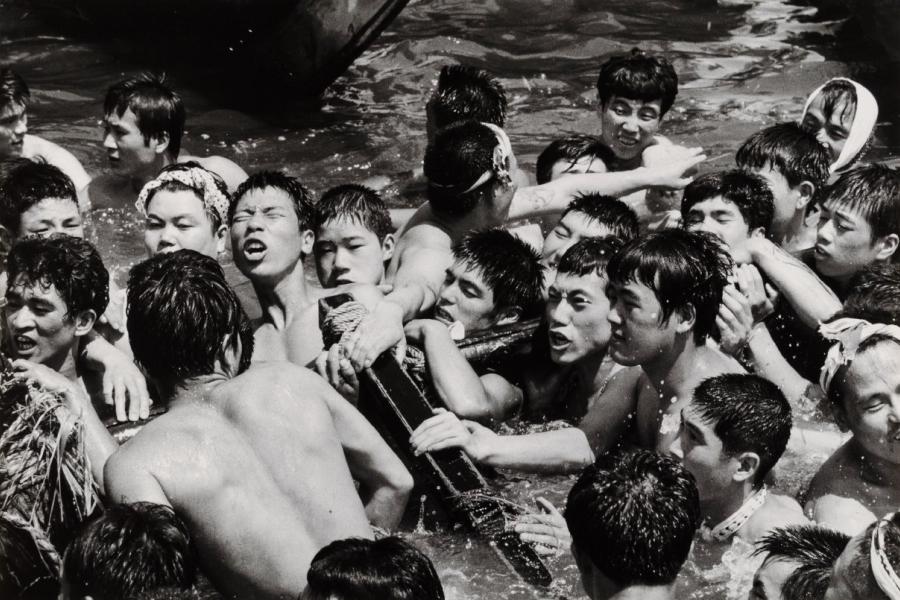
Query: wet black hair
[177,186]
[813,547]
[27,569]
[749,193]
[158,109]
[634,515]
[71,265]
[13,89]
[458,157]
[25,184]
[873,191]
[509,266]
[638,76]
[874,295]
[589,256]
[385,569]
[181,310]
[612,213]
[300,196]
[128,550]
[571,148]
[171,593]
[749,414]
[683,268]
[788,149]
[465,92]
[859,571]
[357,203]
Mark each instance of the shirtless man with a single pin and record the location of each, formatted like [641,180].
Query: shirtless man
[144,123]
[274,486]
[16,141]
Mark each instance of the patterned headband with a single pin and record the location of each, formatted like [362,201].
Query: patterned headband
[849,334]
[500,163]
[884,573]
[198,179]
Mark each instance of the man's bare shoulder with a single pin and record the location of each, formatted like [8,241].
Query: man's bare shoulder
[225,168]
[777,511]
[56,155]
[836,475]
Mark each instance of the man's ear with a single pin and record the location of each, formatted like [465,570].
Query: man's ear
[161,142]
[887,246]
[748,465]
[387,247]
[84,322]
[307,239]
[759,232]
[806,192]
[221,238]
[508,315]
[688,318]
[229,357]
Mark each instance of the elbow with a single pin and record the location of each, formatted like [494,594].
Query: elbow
[401,483]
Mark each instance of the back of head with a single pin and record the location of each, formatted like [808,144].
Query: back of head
[874,295]
[588,256]
[128,550]
[749,414]
[638,76]
[788,149]
[356,203]
[72,265]
[13,90]
[685,269]
[571,148]
[813,548]
[749,193]
[25,184]
[869,557]
[181,313]
[27,567]
[873,191]
[300,196]
[618,218]
[465,93]
[633,516]
[509,266]
[460,169]
[385,569]
[159,110]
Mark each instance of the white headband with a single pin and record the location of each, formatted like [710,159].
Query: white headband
[884,573]
[500,163]
[198,179]
[848,334]
[860,130]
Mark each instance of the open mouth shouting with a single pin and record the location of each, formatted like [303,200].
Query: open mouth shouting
[254,250]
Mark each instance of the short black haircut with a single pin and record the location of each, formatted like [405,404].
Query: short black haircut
[181,311]
[509,266]
[157,108]
[385,569]
[27,183]
[589,256]
[749,193]
[873,191]
[612,213]
[27,566]
[683,268]
[634,515]
[638,76]
[458,157]
[128,550]
[177,186]
[571,148]
[13,89]
[813,547]
[465,92]
[749,414]
[356,203]
[874,295]
[788,149]
[298,193]
[71,265]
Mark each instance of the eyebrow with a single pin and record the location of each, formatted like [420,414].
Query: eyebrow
[692,427]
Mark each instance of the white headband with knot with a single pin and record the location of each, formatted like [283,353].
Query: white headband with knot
[198,179]
[884,573]
[500,167]
[860,130]
[849,334]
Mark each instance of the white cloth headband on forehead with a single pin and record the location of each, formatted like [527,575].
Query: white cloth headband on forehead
[848,334]
[500,162]
[196,178]
[884,573]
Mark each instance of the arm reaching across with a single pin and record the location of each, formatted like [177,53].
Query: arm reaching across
[124,386]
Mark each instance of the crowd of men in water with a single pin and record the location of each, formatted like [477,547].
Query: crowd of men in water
[688,321]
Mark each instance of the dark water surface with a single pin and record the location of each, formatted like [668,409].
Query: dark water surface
[742,67]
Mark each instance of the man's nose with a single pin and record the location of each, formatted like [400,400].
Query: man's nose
[109,142]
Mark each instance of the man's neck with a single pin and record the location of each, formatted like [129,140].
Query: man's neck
[283,297]
[643,592]
[796,235]
[66,363]
[589,373]
[674,365]
[148,172]
[874,469]
[189,391]
[716,510]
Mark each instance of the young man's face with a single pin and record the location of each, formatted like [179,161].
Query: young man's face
[628,125]
[40,329]
[704,457]
[125,146]
[465,297]
[844,244]
[177,220]
[722,219]
[638,335]
[347,252]
[786,198]
[770,578]
[52,215]
[584,164]
[831,130]
[13,127]
[870,400]
[576,312]
[571,228]
[265,234]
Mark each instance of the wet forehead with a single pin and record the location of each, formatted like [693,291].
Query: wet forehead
[635,103]
[265,198]
[579,223]
[344,228]
[180,202]
[26,289]
[876,369]
[716,204]
[127,120]
[591,284]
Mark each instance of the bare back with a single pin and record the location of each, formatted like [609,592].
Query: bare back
[423,252]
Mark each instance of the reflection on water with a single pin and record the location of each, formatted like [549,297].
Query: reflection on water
[742,66]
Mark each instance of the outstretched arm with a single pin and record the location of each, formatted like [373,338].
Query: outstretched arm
[124,386]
